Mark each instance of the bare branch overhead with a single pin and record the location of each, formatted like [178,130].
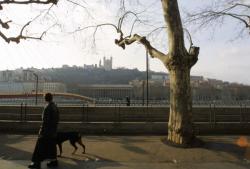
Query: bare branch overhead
[5,24]
[19,37]
[234,9]
[2,2]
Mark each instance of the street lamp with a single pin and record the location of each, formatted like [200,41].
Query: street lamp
[143,82]
[147,66]
[36,83]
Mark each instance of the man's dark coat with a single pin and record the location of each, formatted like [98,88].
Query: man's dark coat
[46,143]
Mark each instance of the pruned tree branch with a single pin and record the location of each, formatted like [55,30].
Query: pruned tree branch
[193,55]
[5,25]
[123,40]
[151,50]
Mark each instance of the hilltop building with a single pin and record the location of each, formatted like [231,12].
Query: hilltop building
[107,63]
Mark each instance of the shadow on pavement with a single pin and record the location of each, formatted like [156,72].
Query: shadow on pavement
[7,152]
[127,143]
[14,153]
[91,160]
[235,150]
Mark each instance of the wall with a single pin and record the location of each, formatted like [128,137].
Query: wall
[126,120]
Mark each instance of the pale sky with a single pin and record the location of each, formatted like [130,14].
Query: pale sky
[219,58]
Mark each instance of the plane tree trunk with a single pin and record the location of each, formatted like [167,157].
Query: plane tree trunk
[179,62]
[180,126]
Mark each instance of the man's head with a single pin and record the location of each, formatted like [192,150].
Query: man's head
[48,97]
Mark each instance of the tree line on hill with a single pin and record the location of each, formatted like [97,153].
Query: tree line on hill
[78,75]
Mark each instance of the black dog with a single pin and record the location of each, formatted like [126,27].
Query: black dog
[73,137]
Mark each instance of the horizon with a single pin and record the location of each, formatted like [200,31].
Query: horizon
[114,68]
[221,55]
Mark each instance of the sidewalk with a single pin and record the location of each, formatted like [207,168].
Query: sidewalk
[133,152]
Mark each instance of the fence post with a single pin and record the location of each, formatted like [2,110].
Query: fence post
[119,120]
[21,112]
[25,112]
[148,117]
[83,118]
[246,113]
[210,113]
[87,112]
[241,118]
[214,114]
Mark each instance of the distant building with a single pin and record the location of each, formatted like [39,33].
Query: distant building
[65,66]
[28,75]
[90,66]
[160,77]
[54,87]
[106,91]
[219,84]
[29,87]
[107,63]
[156,90]
[23,75]
[197,78]
[6,76]
[17,87]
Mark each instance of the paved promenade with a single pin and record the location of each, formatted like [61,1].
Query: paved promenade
[133,152]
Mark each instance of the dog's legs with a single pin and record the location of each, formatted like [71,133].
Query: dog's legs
[60,149]
[83,146]
[74,145]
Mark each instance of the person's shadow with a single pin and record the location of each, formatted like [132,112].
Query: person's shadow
[17,148]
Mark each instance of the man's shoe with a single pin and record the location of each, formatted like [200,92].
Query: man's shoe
[53,163]
[34,165]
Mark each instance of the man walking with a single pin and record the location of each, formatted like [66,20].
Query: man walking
[46,143]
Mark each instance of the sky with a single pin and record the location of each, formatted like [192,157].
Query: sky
[222,56]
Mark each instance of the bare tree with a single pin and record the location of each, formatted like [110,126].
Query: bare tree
[178,61]
[6,24]
[218,12]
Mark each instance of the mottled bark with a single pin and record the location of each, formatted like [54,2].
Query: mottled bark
[180,128]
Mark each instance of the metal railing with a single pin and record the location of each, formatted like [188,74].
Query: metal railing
[211,114]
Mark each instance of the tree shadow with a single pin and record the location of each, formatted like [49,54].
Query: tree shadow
[231,148]
[240,153]
[217,146]
[135,149]
[127,143]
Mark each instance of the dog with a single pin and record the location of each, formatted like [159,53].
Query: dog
[73,137]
